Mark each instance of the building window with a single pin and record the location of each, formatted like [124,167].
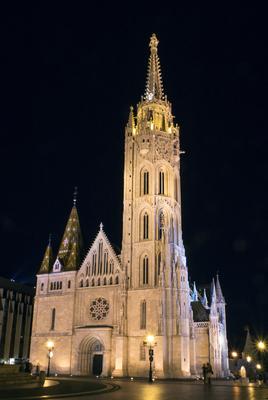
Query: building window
[53,319]
[111,267]
[105,266]
[94,264]
[99,282]
[104,282]
[69,284]
[145,271]
[93,282]
[161,223]
[161,182]
[142,352]
[42,286]
[146,182]
[81,283]
[87,283]
[116,280]
[111,281]
[145,226]
[143,315]
[51,286]
[100,258]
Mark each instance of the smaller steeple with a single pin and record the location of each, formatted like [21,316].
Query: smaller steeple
[69,254]
[194,294]
[249,348]
[47,262]
[131,121]
[205,299]
[213,304]
[220,298]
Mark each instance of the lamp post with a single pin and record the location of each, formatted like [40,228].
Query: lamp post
[50,347]
[150,343]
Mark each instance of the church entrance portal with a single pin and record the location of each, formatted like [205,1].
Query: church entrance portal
[91,356]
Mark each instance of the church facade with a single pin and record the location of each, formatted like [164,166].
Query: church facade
[98,311]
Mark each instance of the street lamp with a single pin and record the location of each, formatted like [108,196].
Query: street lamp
[248,358]
[234,354]
[261,345]
[50,347]
[258,366]
[150,343]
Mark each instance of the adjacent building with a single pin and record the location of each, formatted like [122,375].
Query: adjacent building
[16,308]
[98,311]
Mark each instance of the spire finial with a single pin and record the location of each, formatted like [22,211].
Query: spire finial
[153,43]
[75,195]
[49,239]
[101,226]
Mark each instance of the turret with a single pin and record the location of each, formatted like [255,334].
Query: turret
[69,254]
[46,265]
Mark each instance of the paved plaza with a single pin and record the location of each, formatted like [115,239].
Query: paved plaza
[142,390]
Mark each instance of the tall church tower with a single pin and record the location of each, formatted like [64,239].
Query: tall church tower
[152,248]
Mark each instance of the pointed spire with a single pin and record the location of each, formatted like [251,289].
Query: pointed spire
[70,249]
[205,299]
[220,298]
[131,121]
[47,262]
[195,294]
[249,348]
[213,304]
[154,87]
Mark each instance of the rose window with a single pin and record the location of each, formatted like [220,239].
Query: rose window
[99,308]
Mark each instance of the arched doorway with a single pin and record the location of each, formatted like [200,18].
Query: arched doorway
[91,352]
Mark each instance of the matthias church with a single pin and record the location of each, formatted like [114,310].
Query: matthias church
[98,311]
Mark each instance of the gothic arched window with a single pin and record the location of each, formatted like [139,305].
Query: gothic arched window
[104,282]
[116,280]
[105,263]
[111,267]
[145,182]
[100,258]
[161,222]
[145,271]
[161,182]
[145,226]
[111,281]
[94,257]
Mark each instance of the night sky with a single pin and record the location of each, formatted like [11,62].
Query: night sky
[68,76]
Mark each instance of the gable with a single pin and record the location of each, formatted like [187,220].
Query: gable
[101,265]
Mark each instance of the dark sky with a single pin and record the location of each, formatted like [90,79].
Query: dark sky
[68,76]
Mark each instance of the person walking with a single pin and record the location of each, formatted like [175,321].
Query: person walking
[204,370]
[209,373]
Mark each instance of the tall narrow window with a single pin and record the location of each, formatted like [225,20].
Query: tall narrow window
[161,182]
[53,319]
[158,263]
[42,286]
[69,284]
[94,264]
[100,258]
[145,182]
[145,271]
[105,263]
[145,226]
[161,222]
[143,315]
